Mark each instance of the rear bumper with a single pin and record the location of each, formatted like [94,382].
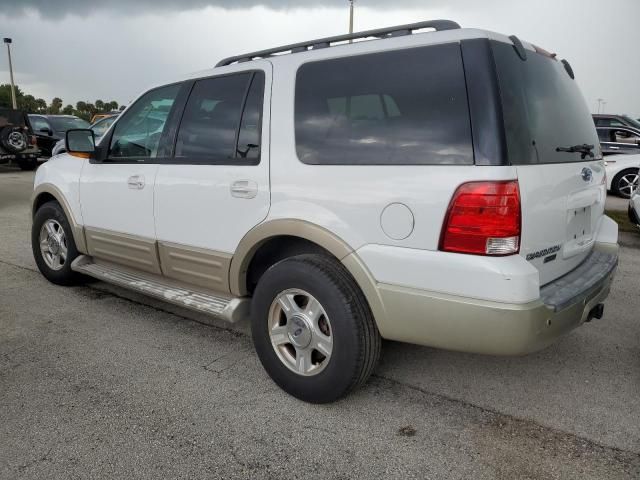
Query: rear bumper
[495,328]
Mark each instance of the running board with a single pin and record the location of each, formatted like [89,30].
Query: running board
[231,309]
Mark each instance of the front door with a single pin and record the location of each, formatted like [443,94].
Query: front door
[116,193]
[216,188]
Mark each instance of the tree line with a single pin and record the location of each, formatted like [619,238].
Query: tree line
[30,104]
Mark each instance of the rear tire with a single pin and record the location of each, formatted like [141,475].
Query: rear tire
[624,182]
[53,246]
[311,299]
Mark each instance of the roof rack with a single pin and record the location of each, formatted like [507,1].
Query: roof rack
[387,32]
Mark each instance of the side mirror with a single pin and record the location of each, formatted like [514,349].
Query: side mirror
[80,143]
[47,131]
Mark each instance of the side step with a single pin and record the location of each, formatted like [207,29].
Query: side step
[231,309]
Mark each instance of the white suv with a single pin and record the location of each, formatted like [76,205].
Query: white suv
[443,188]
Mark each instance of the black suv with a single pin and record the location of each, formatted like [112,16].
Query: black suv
[17,143]
[50,129]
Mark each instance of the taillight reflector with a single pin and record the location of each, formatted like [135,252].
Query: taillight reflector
[483,219]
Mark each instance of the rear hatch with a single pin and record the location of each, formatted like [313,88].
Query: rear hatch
[562,192]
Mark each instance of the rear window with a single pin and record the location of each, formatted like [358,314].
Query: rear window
[407,107]
[62,124]
[543,108]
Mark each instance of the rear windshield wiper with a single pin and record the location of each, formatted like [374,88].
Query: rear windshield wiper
[584,149]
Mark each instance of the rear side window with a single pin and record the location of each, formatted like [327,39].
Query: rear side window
[221,121]
[406,107]
[543,109]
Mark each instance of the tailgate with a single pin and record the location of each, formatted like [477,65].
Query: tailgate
[562,206]
[552,141]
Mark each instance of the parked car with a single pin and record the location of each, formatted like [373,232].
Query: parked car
[49,129]
[634,207]
[340,193]
[99,128]
[17,142]
[622,174]
[100,116]
[608,120]
[616,140]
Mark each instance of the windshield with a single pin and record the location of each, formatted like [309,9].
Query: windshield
[62,124]
[543,109]
[631,121]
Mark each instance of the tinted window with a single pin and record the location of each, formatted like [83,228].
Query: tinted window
[543,108]
[209,128]
[137,134]
[403,107]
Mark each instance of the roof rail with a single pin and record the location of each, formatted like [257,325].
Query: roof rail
[388,32]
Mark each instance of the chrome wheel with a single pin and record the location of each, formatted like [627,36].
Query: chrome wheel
[627,184]
[53,244]
[300,332]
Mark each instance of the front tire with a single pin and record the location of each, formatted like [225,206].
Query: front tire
[625,182]
[53,246]
[312,328]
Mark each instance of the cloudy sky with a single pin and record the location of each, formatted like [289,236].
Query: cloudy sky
[114,49]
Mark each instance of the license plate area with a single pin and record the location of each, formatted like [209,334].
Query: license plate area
[579,225]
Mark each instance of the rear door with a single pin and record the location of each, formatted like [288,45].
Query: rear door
[562,192]
[215,188]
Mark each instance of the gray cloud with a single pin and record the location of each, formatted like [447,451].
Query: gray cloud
[61,8]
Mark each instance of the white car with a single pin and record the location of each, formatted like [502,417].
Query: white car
[634,207]
[340,193]
[622,174]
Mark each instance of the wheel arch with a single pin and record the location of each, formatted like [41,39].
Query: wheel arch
[46,192]
[313,235]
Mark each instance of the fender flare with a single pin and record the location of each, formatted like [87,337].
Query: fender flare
[257,236]
[77,230]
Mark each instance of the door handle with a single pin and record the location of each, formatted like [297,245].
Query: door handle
[136,182]
[244,189]
[614,148]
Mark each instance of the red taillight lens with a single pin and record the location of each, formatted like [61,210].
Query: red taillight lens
[483,219]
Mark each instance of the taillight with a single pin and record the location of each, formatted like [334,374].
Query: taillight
[483,219]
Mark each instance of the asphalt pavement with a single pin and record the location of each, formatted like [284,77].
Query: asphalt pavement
[98,382]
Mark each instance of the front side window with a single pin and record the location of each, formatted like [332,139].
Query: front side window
[221,121]
[39,123]
[137,134]
[406,107]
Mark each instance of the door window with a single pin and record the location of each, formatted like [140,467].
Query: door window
[626,136]
[39,123]
[221,121]
[137,134]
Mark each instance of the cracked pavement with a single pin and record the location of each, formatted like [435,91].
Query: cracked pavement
[99,382]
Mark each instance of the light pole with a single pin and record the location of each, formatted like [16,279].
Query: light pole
[599,102]
[13,87]
[350,17]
